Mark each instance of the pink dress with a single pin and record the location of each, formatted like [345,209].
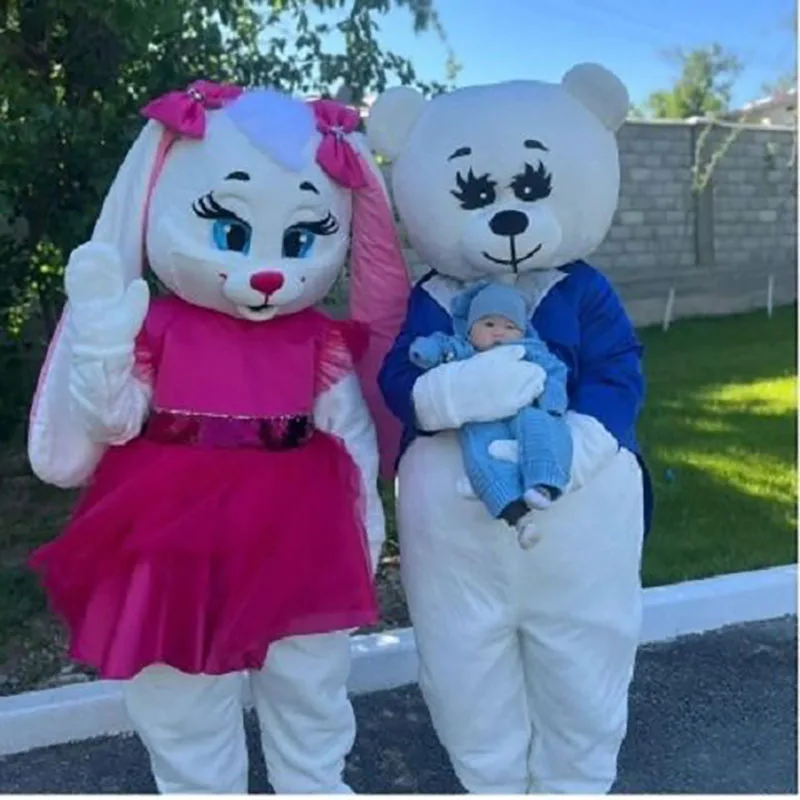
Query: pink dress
[230,522]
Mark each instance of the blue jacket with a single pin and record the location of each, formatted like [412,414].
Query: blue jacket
[581,320]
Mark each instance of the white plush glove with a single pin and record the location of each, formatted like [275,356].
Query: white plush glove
[105,316]
[592,448]
[489,386]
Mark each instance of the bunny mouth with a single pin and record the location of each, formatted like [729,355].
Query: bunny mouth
[260,313]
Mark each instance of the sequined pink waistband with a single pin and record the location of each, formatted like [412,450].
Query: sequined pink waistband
[275,433]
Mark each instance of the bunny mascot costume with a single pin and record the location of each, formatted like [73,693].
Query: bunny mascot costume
[231,523]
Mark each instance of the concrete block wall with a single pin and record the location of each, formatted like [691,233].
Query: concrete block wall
[716,248]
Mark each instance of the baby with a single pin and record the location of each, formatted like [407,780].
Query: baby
[490,315]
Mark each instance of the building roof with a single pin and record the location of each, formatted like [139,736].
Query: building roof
[783,99]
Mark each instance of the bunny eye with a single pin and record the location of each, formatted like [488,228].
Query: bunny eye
[228,231]
[231,234]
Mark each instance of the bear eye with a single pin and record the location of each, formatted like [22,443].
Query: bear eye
[532,184]
[474,192]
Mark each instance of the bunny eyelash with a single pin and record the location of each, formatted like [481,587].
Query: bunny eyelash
[208,208]
[322,227]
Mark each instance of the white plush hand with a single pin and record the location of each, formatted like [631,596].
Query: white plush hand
[489,386]
[106,315]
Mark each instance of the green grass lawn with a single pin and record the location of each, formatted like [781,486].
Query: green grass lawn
[719,432]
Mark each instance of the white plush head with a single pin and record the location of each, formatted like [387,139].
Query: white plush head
[244,220]
[249,204]
[492,181]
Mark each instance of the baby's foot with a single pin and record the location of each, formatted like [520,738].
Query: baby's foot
[537,498]
[527,531]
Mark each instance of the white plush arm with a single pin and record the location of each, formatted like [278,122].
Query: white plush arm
[342,411]
[105,317]
[592,448]
[491,385]
[108,401]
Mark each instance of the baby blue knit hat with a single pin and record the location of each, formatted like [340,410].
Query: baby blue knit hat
[498,300]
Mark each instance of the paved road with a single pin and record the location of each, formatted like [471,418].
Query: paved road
[711,714]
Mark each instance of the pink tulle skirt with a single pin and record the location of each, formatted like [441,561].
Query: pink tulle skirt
[199,558]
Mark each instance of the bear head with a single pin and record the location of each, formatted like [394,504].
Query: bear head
[494,181]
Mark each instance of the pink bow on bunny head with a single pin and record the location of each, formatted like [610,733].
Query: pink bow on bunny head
[335,154]
[184,113]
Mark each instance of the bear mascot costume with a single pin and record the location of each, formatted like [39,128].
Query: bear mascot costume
[230,523]
[525,655]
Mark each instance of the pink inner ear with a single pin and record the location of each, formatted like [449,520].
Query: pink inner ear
[168,138]
[379,289]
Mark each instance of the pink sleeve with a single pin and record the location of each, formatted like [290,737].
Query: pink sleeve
[147,349]
[343,346]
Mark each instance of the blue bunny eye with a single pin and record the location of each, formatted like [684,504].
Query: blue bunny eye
[299,239]
[231,234]
[297,242]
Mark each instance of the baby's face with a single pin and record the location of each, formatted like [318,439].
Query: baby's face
[490,331]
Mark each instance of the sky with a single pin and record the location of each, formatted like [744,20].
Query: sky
[498,40]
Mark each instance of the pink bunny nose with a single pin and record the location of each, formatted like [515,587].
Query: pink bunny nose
[266,282]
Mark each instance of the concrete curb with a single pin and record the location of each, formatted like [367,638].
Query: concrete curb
[389,660]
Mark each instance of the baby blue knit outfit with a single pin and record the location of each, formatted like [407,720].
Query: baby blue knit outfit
[545,443]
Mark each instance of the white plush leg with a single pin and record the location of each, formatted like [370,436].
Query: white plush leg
[193,729]
[580,630]
[456,568]
[307,722]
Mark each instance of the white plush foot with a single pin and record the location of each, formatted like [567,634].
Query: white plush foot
[535,499]
[464,488]
[527,531]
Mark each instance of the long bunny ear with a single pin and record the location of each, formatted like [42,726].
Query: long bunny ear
[59,451]
[379,289]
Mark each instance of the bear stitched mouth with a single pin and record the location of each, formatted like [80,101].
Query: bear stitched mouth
[263,307]
[513,262]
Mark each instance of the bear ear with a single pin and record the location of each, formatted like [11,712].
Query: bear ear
[391,118]
[601,91]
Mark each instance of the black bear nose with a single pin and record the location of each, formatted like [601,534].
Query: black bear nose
[508,223]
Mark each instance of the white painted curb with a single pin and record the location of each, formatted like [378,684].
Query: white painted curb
[389,660]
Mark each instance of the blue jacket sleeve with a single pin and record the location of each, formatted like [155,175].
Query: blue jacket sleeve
[610,384]
[398,374]
[430,351]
